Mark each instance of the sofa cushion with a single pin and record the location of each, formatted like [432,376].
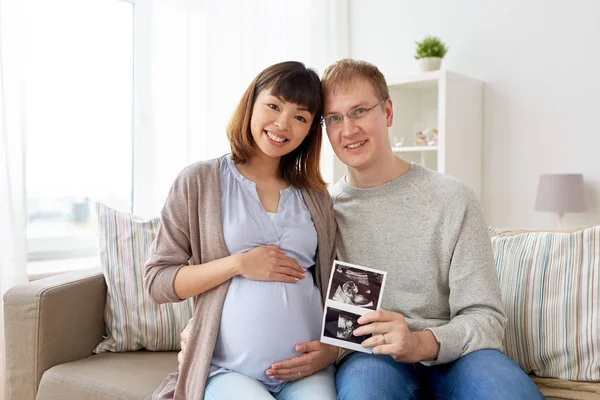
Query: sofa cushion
[550,283]
[133,321]
[115,376]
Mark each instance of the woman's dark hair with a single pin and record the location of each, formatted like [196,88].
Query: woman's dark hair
[294,83]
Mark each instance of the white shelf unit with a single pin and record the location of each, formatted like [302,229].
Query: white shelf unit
[453,104]
[414,149]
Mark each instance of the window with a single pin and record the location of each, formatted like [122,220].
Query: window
[78,102]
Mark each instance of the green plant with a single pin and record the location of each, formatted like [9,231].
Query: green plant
[431,46]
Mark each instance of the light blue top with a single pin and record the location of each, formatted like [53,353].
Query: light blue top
[263,321]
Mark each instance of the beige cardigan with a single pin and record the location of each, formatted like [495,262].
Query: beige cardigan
[190,232]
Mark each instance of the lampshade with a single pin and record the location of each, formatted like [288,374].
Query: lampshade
[561,193]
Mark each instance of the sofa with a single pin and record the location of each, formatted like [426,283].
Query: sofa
[53,324]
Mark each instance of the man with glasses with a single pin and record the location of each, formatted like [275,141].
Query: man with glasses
[439,333]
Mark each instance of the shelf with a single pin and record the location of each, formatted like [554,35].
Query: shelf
[414,149]
[421,81]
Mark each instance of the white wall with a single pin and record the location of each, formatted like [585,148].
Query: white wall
[540,62]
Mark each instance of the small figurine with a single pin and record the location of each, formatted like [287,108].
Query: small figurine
[431,136]
[420,139]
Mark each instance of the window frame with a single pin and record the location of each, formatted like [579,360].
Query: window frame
[85,245]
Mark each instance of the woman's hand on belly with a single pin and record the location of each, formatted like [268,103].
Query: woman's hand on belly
[269,263]
[316,356]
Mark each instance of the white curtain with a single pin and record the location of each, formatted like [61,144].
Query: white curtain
[13,219]
[194,60]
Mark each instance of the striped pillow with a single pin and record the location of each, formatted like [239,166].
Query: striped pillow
[133,322]
[550,286]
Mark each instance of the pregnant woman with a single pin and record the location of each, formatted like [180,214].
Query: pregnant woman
[250,236]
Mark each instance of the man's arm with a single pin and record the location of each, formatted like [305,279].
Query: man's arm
[390,335]
[427,346]
[477,318]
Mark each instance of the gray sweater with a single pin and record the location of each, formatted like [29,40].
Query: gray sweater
[191,231]
[426,229]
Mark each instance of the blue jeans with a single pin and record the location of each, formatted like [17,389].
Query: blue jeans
[481,375]
[233,385]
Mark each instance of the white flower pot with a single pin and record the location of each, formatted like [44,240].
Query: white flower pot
[430,63]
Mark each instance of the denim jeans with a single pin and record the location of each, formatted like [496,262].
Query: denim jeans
[481,375]
[233,386]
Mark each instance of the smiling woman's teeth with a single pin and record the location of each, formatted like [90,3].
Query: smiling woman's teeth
[356,145]
[275,138]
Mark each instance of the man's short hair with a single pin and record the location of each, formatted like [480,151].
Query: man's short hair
[345,70]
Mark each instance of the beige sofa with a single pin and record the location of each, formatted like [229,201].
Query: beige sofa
[53,324]
[51,327]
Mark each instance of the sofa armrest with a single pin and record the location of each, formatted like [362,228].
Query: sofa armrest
[49,322]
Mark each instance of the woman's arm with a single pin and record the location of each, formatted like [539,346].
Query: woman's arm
[263,263]
[192,280]
[169,279]
[168,276]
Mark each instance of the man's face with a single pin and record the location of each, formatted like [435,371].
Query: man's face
[359,142]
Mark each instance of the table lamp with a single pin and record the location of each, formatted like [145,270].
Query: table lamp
[561,193]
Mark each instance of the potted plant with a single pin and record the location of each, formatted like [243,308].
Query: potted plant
[430,52]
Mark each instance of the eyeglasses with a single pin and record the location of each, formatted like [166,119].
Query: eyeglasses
[336,120]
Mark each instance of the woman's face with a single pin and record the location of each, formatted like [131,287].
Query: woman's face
[278,127]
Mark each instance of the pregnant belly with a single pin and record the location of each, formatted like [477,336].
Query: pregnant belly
[262,322]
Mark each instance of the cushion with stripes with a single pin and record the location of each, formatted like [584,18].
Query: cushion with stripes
[550,283]
[133,321]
